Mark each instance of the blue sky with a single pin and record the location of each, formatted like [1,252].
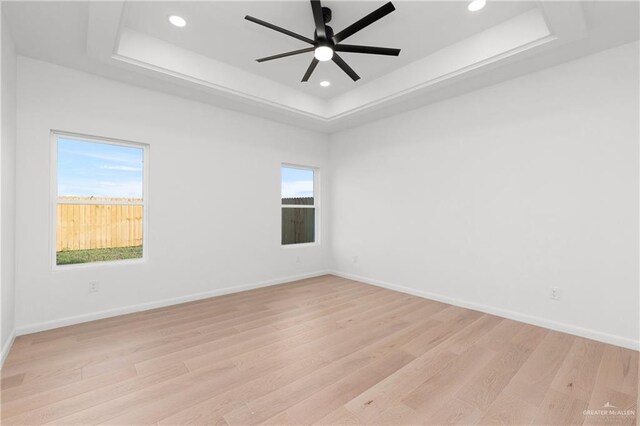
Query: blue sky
[297,182]
[88,169]
[101,170]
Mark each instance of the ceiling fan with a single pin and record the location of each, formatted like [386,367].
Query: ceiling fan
[325,43]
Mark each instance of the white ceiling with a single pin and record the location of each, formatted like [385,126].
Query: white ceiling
[219,31]
[446,50]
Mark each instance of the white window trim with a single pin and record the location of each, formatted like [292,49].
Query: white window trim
[54,135]
[316,205]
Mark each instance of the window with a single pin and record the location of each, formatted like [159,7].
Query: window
[99,199]
[299,218]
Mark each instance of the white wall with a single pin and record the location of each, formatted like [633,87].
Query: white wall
[7,190]
[486,200]
[491,198]
[214,196]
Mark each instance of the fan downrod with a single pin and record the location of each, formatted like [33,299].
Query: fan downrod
[326,15]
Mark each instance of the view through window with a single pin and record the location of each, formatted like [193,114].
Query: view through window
[298,205]
[100,201]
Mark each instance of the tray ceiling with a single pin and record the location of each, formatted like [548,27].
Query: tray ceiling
[446,50]
[219,31]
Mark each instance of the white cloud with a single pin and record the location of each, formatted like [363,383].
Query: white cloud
[121,158]
[122,168]
[300,188]
[131,189]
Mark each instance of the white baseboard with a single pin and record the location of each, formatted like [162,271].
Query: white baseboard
[541,322]
[7,347]
[63,322]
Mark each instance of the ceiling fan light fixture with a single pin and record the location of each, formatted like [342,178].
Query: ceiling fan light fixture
[325,83]
[178,21]
[323,53]
[476,5]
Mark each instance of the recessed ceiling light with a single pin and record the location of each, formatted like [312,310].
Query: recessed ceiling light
[179,21]
[476,5]
[325,83]
[323,53]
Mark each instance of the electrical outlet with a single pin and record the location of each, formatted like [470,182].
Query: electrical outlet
[554,293]
[94,287]
[355,259]
[297,259]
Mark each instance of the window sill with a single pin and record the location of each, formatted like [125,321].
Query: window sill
[301,245]
[90,265]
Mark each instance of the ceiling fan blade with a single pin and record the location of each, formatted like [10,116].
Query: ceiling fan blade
[312,66]
[367,20]
[279,29]
[284,55]
[346,68]
[316,7]
[372,50]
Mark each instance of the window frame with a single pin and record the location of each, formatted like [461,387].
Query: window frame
[54,135]
[316,205]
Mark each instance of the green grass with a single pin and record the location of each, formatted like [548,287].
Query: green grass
[69,257]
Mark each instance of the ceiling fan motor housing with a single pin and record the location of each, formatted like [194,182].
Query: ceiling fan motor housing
[322,41]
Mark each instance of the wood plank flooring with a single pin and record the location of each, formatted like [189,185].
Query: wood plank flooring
[319,351]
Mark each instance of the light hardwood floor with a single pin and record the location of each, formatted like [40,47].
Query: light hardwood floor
[325,350]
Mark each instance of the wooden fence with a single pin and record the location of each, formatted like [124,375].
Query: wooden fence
[298,224]
[94,226]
